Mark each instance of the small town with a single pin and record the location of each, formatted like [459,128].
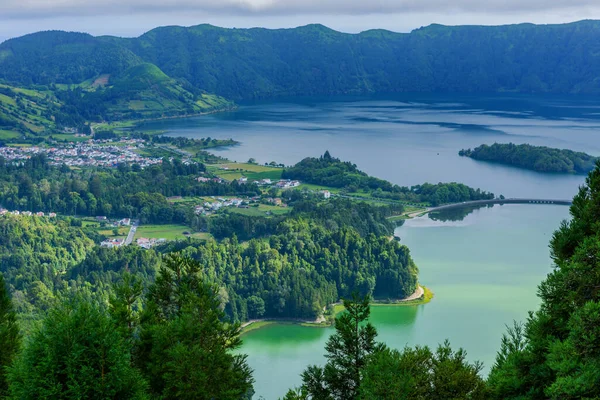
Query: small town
[95,153]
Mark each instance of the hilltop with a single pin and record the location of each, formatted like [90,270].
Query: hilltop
[315,60]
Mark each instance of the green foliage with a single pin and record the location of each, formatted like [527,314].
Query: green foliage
[76,353]
[329,171]
[186,349]
[10,337]
[125,192]
[537,158]
[61,57]
[556,356]
[303,268]
[27,114]
[359,368]
[422,374]
[258,63]
[348,350]
[34,252]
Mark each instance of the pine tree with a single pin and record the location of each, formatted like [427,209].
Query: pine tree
[10,337]
[347,354]
[76,354]
[186,347]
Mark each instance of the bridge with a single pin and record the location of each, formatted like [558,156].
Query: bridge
[491,201]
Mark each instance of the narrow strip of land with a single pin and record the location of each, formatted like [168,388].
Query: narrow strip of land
[424,211]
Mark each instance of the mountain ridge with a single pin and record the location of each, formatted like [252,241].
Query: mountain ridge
[254,63]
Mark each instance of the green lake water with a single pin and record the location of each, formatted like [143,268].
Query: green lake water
[483,269]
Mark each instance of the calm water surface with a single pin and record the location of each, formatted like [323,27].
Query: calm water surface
[409,140]
[484,269]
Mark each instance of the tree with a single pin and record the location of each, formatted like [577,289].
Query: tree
[348,350]
[422,374]
[186,349]
[9,335]
[125,304]
[75,354]
[557,354]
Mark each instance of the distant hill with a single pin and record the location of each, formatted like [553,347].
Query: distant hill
[315,60]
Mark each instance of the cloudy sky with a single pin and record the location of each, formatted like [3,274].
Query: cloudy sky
[134,17]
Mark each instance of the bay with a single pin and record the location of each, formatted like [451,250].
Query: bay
[484,271]
[483,266]
[410,139]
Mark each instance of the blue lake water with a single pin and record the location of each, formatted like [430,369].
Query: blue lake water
[483,268]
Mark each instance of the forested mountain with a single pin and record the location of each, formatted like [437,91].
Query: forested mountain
[537,158]
[315,60]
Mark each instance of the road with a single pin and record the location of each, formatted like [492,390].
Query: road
[131,234]
[486,202]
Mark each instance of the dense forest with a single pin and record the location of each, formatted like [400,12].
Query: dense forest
[167,335]
[536,158]
[556,353]
[310,260]
[315,60]
[330,171]
[126,191]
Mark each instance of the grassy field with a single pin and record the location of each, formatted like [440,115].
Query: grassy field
[9,134]
[168,232]
[69,138]
[260,211]
[108,232]
[253,172]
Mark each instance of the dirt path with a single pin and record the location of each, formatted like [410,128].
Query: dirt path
[416,295]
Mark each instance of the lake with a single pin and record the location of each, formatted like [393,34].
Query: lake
[484,271]
[483,265]
[410,140]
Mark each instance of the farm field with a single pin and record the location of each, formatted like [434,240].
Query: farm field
[260,211]
[168,232]
[253,172]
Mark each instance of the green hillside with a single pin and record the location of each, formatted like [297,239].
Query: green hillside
[315,60]
[61,57]
[27,112]
[144,91]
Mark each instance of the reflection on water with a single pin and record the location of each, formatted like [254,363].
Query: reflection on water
[455,214]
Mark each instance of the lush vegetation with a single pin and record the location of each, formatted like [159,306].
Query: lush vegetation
[329,171]
[315,60]
[360,368]
[27,115]
[140,92]
[128,323]
[556,353]
[537,158]
[167,342]
[126,191]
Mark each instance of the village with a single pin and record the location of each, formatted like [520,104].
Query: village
[95,153]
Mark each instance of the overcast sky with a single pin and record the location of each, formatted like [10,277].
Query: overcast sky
[134,17]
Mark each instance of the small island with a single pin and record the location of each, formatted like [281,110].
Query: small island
[536,158]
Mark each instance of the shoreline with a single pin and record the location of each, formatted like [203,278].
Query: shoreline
[133,123]
[422,295]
